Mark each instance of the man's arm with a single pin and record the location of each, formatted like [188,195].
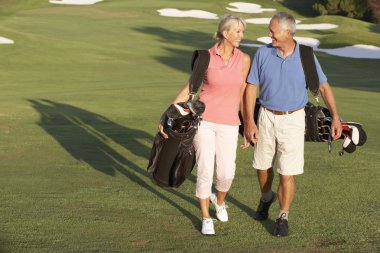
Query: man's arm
[250,129]
[329,99]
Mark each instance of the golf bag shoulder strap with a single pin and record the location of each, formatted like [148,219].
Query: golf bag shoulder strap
[199,65]
[309,68]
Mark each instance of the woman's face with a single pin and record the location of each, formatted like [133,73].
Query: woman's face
[235,34]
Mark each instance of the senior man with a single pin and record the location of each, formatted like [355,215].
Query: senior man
[279,136]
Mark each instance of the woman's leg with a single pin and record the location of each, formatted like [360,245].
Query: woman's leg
[205,205]
[225,148]
[204,142]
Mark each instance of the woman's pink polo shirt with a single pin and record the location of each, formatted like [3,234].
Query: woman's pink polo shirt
[221,88]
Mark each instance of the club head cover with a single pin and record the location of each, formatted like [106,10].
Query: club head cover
[362,136]
[197,107]
[355,131]
[354,134]
[176,111]
[348,145]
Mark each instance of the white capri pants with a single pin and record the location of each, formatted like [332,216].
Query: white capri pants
[215,141]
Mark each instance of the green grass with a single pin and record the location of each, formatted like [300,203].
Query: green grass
[82,89]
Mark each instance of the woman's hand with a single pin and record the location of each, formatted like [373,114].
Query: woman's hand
[246,143]
[161,128]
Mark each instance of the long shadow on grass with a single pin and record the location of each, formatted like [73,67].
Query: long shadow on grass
[85,135]
[178,58]
[249,211]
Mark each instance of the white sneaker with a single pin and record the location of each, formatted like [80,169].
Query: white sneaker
[221,212]
[208,227]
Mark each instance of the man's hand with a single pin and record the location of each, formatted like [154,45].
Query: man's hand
[336,128]
[251,133]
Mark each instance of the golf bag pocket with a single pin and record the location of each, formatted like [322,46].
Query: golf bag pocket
[158,144]
[182,166]
[317,123]
[172,160]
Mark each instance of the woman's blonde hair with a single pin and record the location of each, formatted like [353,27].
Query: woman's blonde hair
[225,24]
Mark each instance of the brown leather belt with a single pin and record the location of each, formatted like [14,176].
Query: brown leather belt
[282,112]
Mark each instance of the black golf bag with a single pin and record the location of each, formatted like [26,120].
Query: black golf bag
[318,128]
[172,160]
[318,118]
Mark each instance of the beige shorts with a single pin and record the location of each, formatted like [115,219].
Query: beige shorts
[281,139]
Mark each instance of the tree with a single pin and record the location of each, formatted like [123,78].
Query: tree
[368,10]
[373,11]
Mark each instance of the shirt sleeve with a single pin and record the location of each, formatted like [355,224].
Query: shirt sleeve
[321,76]
[253,76]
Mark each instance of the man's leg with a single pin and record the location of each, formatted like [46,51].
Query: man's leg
[286,190]
[265,178]
[290,161]
[263,155]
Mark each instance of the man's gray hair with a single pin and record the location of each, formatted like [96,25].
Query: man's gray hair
[286,21]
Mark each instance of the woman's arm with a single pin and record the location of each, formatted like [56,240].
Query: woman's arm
[183,95]
[246,67]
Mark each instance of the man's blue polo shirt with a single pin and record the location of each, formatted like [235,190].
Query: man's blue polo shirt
[282,81]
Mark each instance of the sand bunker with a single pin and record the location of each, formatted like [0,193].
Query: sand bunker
[265,21]
[302,40]
[168,12]
[262,21]
[6,41]
[355,51]
[256,8]
[240,7]
[75,2]
[247,8]
[258,21]
[322,26]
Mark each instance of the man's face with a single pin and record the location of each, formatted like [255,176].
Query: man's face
[278,35]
